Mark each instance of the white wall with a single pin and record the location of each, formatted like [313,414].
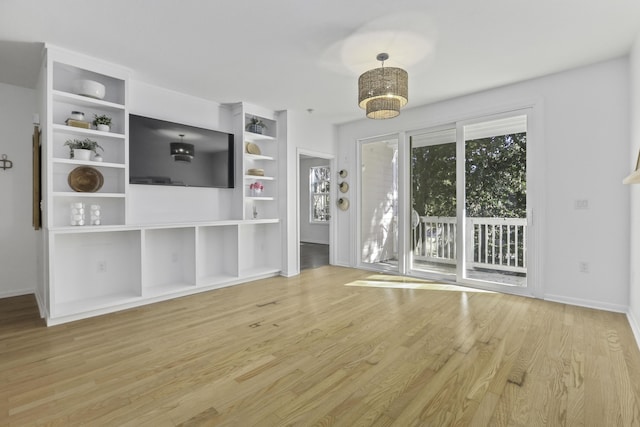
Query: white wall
[583,132]
[18,246]
[634,147]
[310,232]
[150,204]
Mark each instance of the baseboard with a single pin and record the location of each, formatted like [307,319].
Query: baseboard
[44,314]
[598,305]
[16,293]
[633,323]
[342,264]
[289,273]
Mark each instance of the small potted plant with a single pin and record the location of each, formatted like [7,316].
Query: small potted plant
[81,149]
[102,122]
[256,125]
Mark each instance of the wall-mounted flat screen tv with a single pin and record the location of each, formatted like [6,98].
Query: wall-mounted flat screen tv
[174,154]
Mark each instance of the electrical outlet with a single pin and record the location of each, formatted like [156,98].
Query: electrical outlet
[583,266]
[102,266]
[582,204]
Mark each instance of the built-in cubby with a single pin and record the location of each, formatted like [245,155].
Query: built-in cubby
[259,248]
[218,254]
[169,260]
[92,271]
[66,74]
[111,209]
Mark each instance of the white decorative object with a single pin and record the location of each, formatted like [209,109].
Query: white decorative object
[77,115]
[256,188]
[97,158]
[95,215]
[76,213]
[81,154]
[103,128]
[89,88]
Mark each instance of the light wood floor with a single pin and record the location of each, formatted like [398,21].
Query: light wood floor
[311,351]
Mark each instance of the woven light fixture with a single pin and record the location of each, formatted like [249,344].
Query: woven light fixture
[383,91]
[182,151]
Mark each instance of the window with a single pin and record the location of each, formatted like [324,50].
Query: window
[319,177]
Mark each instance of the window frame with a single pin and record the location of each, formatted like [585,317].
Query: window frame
[314,193]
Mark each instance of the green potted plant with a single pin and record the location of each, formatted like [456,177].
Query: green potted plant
[102,122]
[256,125]
[81,149]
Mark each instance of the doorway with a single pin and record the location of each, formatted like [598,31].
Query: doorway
[315,209]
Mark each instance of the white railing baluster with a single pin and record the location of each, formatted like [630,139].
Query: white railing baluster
[435,241]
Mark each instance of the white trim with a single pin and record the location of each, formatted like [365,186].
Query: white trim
[44,313]
[598,305]
[341,264]
[284,274]
[633,323]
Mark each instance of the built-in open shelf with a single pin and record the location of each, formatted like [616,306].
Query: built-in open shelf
[259,178]
[253,137]
[258,157]
[84,101]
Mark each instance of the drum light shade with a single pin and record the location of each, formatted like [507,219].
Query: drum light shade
[382,92]
[182,151]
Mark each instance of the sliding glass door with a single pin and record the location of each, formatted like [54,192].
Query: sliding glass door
[433,202]
[494,191]
[468,202]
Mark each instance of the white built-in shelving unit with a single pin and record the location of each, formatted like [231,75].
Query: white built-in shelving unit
[60,102]
[264,204]
[91,270]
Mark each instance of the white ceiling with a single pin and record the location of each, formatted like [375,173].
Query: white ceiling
[306,54]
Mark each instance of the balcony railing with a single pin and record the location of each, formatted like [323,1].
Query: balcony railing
[492,243]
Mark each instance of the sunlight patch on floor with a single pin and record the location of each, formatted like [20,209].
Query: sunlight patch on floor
[400,282]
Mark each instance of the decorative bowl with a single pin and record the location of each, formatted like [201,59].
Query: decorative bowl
[89,88]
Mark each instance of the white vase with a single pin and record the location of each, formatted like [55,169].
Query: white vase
[81,154]
[103,128]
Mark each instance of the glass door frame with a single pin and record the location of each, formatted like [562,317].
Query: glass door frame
[533,203]
[407,189]
[401,203]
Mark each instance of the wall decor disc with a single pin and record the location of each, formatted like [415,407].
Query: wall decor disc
[343,203]
[85,179]
[343,173]
[344,187]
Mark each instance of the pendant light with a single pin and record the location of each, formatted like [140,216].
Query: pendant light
[182,151]
[383,91]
